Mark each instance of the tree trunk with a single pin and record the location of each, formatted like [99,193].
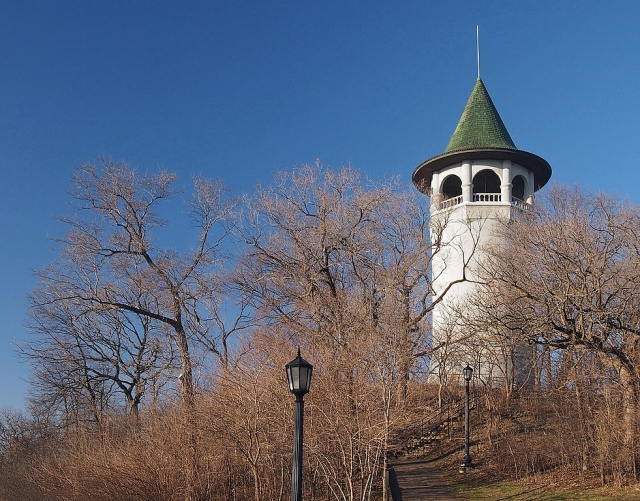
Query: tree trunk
[581,420]
[188,408]
[630,408]
[256,482]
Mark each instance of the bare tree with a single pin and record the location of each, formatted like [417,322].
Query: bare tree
[568,276]
[250,409]
[24,441]
[81,359]
[111,260]
[331,253]
[118,258]
[343,264]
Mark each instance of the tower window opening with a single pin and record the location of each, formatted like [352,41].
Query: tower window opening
[517,190]
[486,187]
[451,191]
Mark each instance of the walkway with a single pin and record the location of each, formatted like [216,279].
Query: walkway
[418,480]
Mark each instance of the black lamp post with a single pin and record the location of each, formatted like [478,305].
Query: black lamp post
[466,461]
[299,375]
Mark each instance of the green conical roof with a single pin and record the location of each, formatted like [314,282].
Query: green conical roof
[480,125]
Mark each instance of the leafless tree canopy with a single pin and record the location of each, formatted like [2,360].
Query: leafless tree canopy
[570,274]
[329,260]
[120,300]
[568,280]
[147,301]
[337,258]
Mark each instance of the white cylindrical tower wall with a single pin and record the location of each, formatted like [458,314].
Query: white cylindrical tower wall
[465,231]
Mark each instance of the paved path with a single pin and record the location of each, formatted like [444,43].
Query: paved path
[418,480]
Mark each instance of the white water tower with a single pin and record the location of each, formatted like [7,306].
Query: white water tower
[480,181]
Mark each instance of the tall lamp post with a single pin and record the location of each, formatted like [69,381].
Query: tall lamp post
[299,375]
[466,461]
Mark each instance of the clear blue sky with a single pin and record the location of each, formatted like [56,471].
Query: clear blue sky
[239,89]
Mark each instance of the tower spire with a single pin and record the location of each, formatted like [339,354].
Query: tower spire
[478,48]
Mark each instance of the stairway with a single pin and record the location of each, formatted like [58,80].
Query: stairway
[415,439]
[412,476]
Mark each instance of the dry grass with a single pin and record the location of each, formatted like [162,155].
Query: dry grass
[468,488]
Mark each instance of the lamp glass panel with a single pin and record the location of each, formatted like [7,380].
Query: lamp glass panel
[295,378]
[305,378]
[289,378]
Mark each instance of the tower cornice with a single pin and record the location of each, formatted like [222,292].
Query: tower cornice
[539,166]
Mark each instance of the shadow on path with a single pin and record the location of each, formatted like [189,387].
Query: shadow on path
[418,480]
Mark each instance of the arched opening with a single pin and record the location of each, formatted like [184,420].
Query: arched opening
[452,187]
[486,187]
[518,188]
[486,181]
[451,191]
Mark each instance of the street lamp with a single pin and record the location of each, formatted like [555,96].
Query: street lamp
[466,461]
[299,375]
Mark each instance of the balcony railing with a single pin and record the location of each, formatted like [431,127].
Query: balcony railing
[487,197]
[450,202]
[483,197]
[520,204]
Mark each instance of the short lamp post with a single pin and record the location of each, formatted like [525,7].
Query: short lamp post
[466,461]
[299,375]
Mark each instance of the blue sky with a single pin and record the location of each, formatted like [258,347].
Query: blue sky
[240,89]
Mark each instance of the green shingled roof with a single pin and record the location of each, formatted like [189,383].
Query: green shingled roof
[480,125]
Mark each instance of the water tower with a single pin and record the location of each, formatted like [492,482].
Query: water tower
[479,182]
